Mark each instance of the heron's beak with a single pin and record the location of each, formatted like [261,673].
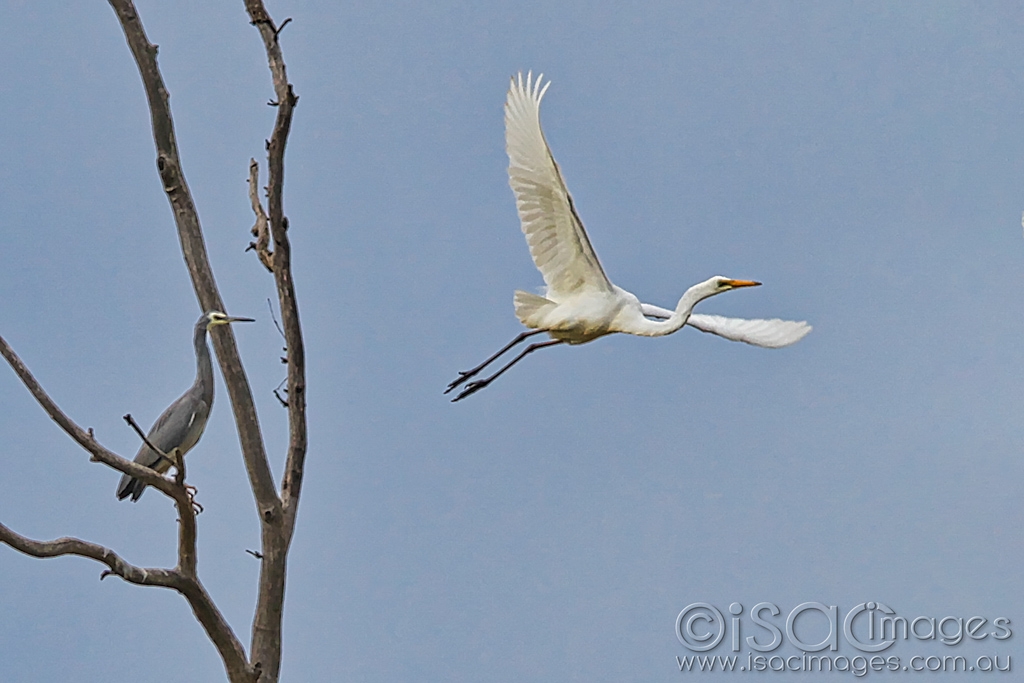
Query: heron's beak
[238,320]
[742,283]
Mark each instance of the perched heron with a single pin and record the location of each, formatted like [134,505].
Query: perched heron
[179,428]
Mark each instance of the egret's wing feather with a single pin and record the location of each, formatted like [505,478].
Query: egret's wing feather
[558,243]
[652,311]
[771,334]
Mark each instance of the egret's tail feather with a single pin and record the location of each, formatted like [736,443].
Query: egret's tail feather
[528,306]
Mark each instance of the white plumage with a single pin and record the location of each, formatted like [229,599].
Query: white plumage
[580,303]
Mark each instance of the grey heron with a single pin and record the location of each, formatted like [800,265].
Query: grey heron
[178,429]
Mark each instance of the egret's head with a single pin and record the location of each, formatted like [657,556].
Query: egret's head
[215,318]
[724,284]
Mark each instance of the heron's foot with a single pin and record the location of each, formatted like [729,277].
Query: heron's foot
[191,491]
[472,388]
[463,376]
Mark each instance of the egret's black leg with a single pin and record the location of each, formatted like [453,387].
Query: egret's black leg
[476,386]
[463,376]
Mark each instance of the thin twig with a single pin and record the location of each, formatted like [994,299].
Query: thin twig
[284,359]
[138,430]
[273,317]
[178,463]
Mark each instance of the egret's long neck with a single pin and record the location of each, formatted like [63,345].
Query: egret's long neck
[204,367]
[658,328]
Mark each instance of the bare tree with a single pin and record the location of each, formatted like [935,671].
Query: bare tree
[276,508]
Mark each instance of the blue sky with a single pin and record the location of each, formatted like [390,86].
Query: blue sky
[864,161]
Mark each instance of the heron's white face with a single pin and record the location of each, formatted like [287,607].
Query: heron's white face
[215,318]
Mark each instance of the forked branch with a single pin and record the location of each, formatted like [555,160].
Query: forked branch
[196,259]
[277,512]
[182,579]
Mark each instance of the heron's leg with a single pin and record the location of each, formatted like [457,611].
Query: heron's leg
[179,478]
[463,376]
[476,386]
[192,491]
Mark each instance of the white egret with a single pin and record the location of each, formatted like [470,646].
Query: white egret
[580,303]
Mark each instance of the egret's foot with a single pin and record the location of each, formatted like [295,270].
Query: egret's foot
[463,376]
[471,389]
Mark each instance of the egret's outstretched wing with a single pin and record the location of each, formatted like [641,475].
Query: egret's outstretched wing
[771,334]
[558,243]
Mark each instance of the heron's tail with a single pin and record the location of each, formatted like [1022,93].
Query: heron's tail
[130,486]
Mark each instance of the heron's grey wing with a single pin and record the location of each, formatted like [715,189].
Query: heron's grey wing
[770,334]
[178,427]
[558,243]
[181,424]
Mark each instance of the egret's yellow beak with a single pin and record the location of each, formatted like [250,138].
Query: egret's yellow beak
[742,283]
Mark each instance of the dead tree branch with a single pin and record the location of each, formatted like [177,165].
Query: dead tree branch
[205,610]
[277,511]
[142,435]
[82,437]
[166,578]
[193,249]
[182,579]
[266,635]
[261,229]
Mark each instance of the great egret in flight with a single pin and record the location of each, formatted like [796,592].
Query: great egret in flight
[581,303]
